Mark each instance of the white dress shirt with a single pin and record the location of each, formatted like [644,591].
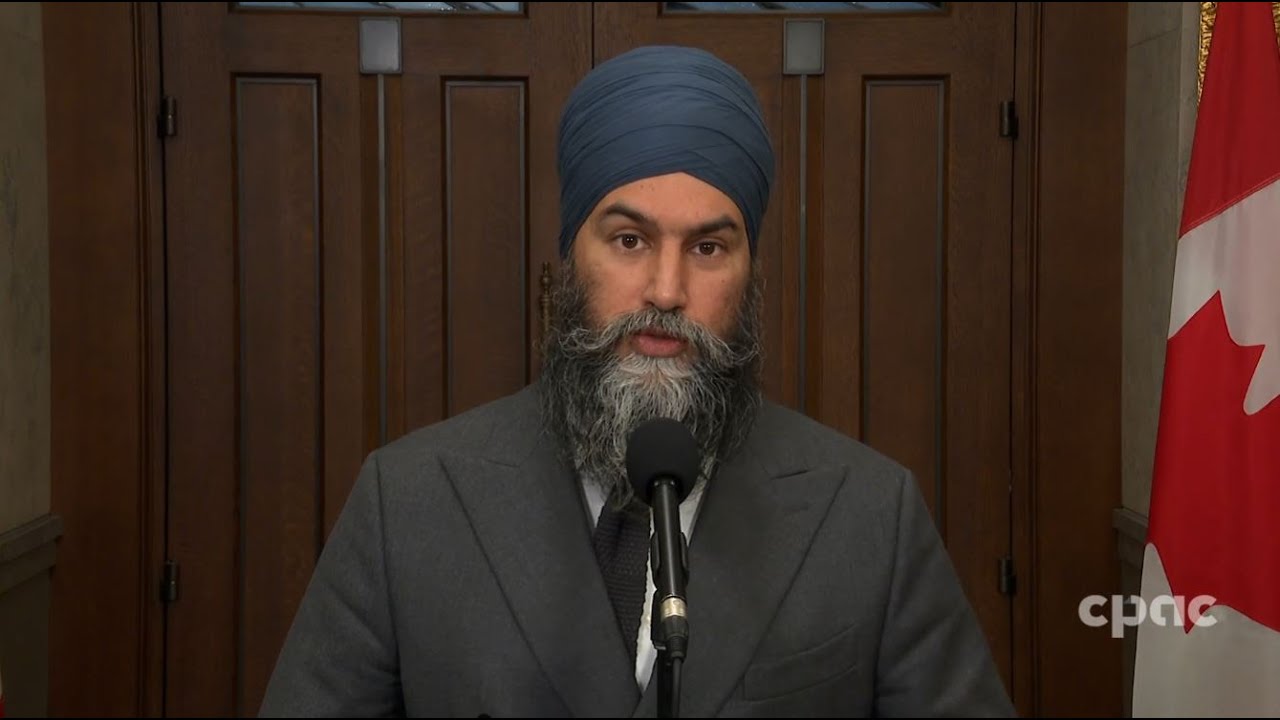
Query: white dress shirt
[646,654]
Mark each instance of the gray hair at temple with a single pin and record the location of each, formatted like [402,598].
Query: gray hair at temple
[658,110]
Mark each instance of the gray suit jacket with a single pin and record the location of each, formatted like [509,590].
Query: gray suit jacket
[460,580]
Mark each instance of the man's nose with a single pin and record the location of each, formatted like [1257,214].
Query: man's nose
[666,289]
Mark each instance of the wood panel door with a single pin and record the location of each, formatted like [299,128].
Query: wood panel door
[887,248]
[348,256]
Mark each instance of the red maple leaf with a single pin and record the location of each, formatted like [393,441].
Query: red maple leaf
[1215,504]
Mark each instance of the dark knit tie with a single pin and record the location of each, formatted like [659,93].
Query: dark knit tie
[621,543]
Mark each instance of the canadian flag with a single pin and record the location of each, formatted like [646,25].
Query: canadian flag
[1214,535]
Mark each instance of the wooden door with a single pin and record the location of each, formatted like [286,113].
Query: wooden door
[349,256]
[887,248]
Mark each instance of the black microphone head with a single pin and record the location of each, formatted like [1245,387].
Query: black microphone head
[662,448]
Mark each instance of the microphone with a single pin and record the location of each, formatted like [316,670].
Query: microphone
[662,465]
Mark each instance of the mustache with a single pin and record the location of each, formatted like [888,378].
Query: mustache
[711,350]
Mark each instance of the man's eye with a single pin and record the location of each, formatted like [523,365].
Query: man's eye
[629,242]
[708,248]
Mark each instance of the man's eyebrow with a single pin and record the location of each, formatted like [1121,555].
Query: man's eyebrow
[724,222]
[628,212]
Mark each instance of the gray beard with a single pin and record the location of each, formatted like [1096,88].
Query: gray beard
[592,398]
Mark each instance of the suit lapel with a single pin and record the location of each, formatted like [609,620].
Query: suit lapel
[528,515]
[757,522]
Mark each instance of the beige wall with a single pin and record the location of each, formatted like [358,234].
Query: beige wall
[1159,125]
[1160,107]
[26,531]
[24,271]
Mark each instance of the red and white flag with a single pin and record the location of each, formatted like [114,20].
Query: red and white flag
[1213,543]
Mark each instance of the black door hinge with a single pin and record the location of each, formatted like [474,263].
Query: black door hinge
[167,119]
[1008,120]
[1007,579]
[169,582]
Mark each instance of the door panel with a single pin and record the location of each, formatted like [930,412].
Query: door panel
[265,326]
[349,257]
[901,288]
[281,425]
[912,105]
[484,142]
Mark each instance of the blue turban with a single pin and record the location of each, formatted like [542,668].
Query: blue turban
[659,110]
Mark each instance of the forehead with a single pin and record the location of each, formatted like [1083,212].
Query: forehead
[675,199]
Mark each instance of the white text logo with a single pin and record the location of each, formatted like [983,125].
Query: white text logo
[1131,611]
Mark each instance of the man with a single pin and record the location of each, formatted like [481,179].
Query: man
[495,563]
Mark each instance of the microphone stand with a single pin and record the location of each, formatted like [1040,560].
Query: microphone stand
[668,685]
[669,622]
